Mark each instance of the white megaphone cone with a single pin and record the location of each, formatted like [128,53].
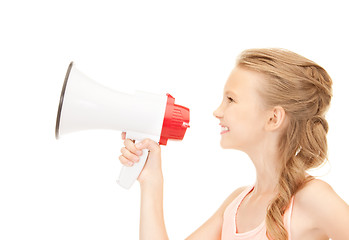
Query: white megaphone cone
[85,104]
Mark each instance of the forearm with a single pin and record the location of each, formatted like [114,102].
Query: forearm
[152,223]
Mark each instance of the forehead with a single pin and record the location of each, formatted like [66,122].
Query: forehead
[243,81]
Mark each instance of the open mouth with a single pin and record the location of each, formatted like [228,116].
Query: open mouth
[224,129]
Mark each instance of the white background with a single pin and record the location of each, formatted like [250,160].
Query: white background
[66,189]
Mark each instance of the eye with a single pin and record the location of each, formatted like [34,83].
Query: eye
[230,99]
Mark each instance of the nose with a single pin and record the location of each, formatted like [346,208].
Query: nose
[218,113]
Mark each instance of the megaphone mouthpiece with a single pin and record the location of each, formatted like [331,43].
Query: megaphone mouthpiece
[176,121]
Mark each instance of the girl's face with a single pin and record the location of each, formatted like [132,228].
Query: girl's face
[241,113]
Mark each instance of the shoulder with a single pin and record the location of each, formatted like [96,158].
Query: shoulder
[317,193]
[320,203]
[314,189]
[317,197]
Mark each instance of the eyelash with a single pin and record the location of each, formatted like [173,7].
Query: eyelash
[230,99]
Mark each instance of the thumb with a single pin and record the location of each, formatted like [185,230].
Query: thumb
[152,168]
[149,144]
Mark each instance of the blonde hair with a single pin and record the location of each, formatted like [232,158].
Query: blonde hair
[304,90]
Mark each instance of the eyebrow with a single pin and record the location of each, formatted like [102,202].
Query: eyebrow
[228,91]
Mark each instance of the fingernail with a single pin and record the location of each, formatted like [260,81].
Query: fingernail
[139,152]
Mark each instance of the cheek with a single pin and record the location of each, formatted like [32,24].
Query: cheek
[239,119]
[240,129]
[244,126]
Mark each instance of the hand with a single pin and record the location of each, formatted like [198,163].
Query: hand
[131,152]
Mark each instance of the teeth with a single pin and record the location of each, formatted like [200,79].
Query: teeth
[225,128]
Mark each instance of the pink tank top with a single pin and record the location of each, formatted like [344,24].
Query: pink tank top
[259,233]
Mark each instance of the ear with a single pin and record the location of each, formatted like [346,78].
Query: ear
[276,119]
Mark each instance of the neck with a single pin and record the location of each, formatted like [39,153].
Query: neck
[267,163]
[267,181]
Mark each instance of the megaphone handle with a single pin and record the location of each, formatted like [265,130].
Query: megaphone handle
[128,175]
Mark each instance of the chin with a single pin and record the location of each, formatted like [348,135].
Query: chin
[226,145]
[229,145]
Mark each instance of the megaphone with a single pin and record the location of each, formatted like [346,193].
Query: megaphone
[85,104]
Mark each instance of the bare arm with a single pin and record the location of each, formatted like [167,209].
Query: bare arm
[332,214]
[152,224]
[329,211]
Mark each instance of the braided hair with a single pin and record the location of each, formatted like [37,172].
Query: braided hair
[304,90]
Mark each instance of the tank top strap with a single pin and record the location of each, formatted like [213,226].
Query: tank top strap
[288,216]
[243,194]
[234,205]
[229,224]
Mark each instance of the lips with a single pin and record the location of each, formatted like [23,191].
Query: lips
[224,129]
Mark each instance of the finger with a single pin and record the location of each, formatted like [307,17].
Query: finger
[125,162]
[123,135]
[129,155]
[129,144]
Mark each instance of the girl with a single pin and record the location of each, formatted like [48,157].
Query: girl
[273,109]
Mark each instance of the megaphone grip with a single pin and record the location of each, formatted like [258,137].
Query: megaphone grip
[128,175]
